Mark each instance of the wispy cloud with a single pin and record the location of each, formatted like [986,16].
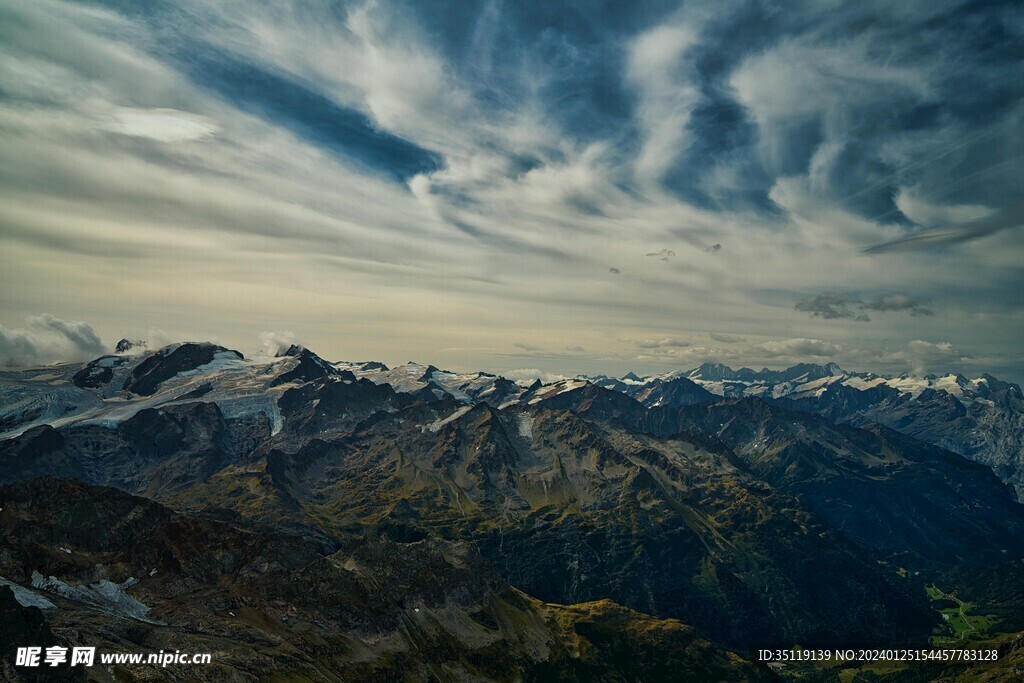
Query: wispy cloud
[727,338]
[1012,217]
[898,302]
[668,342]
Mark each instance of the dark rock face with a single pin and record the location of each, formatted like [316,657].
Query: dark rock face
[431,392]
[40,451]
[674,393]
[26,627]
[146,378]
[839,400]
[309,367]
[157,452]
[126,345]
[501,391]
[596,403]
[336,405]
[96,374]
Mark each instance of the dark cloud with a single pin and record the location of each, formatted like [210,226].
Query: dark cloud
[526,347]
[836,306]
[828,306]
[714,248]
[1012,217]
[614,270]
[727,338]
[898,302]
[664,254]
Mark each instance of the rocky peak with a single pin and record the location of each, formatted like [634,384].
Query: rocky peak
[129,346]
[172,360]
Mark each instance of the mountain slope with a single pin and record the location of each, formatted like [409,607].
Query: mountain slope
[982,419]
[571,510]
[266,603]
[910,501]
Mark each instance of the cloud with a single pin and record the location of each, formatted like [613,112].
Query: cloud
[163,125]
[528,375]
[47,339]
[929,214]
[276,342]
[687,356]
[798,348]
[1011,217]
[157,338]
[828,306]
[922,355]
[898,302]
[470,175]
[727,338]
[657,70]
[714,248]
[835,306]
[668,342]
[940,348]
[526,347]
[614,270]
[575,349]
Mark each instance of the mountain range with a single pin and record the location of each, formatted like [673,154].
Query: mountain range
[981,419]
[352,521]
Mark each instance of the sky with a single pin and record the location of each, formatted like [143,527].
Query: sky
[552,188]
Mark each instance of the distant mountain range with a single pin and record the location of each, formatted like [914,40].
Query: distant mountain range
[982,419]
[368,522]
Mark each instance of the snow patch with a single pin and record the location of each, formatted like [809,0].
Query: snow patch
[25,597]
[437,425]
[524,426]
[552,390]
[103,595]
